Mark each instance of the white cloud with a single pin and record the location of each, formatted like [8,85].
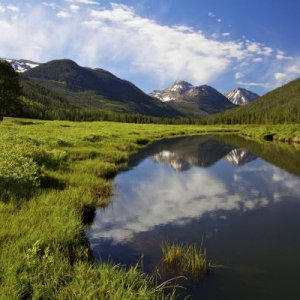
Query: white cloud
[74,7]
[226,33]
[255,84]
[175,52]
[258,48]
[238,75]
[254,47]
[267,51]
[63,14]
[294,69]
[91,2]
[281,55]
[13,8]
[50,4]
[279,76]
[2,9]
[118,39]
[287,71]
[257,59]
[212,15]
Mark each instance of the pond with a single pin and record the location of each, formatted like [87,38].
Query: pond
[239,198]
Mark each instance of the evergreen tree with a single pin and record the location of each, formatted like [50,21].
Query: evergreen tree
[10,89]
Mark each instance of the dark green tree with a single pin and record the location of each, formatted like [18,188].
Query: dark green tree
[10,89]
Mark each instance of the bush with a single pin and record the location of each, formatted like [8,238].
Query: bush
[19,174]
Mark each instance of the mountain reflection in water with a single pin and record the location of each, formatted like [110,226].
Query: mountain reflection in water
[182,162]
[223,190]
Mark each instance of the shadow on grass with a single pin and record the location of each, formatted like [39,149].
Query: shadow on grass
[49,182]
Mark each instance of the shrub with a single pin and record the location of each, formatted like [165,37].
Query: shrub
[19,174]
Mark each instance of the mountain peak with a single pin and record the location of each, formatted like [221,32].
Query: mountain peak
[241,96]
[181,86]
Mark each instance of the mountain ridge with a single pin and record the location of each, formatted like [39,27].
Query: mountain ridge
[82,87]
[201,100]
[64,84]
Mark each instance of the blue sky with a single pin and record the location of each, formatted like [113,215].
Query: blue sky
[223,43]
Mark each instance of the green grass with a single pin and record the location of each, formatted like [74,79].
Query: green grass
[53,175]
[185,259]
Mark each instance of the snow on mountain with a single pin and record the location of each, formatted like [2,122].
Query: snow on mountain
[241,96]
[181,86]
[22,65]
[181,89]
[239,157]
[172,93]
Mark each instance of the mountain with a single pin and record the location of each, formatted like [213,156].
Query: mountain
[65,84]
[182,154]
[22,65]
[241,96]
[239,156]
[193,100]
[281,105]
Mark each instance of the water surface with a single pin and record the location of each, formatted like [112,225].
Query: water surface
[239,197]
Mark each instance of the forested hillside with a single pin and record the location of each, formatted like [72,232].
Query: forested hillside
[64,84]
[279,106]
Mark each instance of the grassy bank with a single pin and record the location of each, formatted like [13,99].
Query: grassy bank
[52,176]
[281,133]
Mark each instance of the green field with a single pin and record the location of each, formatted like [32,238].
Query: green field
[53,175]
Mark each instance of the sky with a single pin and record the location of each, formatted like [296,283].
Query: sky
[224,43]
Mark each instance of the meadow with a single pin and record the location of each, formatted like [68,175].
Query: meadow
[53,174]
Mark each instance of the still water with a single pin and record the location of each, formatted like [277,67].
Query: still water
[240,198]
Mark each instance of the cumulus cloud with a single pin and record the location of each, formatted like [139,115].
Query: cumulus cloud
[117,38]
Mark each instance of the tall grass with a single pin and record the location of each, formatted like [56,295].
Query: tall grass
[185,259]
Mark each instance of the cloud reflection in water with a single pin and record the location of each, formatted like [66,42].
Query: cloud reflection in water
[153,194]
